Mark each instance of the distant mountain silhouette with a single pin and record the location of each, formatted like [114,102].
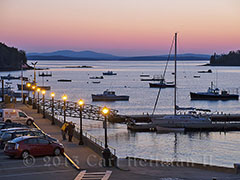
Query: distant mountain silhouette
[74,54]
[91,55]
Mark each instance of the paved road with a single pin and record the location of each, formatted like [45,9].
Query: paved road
[48,167]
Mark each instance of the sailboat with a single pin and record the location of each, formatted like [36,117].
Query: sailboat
[177,121]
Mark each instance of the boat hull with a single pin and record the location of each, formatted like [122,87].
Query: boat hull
[106,98]
[161,85]
[47,88]
[197,96]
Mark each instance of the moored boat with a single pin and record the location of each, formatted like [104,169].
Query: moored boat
[162,84]
[109,73]
[213,94]
[27,89]
[154,78]
[144,75]
[96,77]
[64,80]
[208,71]
[109,96]
[10,77]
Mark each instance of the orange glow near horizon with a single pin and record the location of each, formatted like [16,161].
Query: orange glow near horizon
[126,27]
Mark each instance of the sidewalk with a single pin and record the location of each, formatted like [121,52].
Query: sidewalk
[88,160]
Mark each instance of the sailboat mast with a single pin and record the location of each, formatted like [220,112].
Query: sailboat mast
[175,77]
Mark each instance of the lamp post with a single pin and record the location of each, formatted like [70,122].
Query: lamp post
[43,100]
[38,104]
[28,88]
[106,152]
[34,100]
[53,95]
[81,104]
[64,97]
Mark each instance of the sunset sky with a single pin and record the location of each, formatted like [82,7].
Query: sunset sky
[121,27]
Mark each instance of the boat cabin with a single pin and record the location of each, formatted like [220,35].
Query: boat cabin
[107,92]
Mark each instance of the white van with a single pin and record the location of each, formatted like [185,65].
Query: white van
[15,115]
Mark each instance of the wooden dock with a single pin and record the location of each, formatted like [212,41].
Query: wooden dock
[220,117]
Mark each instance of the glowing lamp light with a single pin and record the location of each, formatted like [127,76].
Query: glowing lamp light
[64,97]
[43,92]
[52,94]
[33,87]
[81,102]
[28,84]
[38,89]
[105,110]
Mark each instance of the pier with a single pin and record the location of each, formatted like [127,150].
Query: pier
[72,109]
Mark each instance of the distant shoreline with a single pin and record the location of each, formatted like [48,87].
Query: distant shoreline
[35,59]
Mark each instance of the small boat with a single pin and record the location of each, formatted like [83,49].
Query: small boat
[213,94]
[10,77]
[25,88]
[196,76]
[144,75]
[96,82]
[84,66]
[96,77]
[162,84]
[109,96]
[141,127]
[109,73]
[208,71]
[64,80]
[45,74]
[47,88]
[154,78]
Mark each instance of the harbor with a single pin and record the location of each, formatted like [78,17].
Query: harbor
[128,81]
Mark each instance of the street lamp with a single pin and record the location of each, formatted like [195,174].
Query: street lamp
[43,100]
[38,104]
[106,152]
[53,95]
[28,88]
[34,100]
[64,97]
[81,104]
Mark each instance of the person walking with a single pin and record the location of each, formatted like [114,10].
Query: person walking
[70,130]
[64,130]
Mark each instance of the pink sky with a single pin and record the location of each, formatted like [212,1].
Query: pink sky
[121,27]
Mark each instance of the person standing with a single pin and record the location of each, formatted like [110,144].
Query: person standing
[64,130]
[70,130]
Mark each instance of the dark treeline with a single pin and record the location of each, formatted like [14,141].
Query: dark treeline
[230,59]
[11,59]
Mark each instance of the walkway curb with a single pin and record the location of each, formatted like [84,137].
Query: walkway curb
[64,154]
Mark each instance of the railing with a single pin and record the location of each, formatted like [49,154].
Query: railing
[91,137]
[72,109]
[98,142]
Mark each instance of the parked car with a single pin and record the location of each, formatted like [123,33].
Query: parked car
[15,115]
[4,125]
[13,129]
[9,135]
[32,145]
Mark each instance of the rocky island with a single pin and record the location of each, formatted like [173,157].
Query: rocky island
[230,59]
[12,59]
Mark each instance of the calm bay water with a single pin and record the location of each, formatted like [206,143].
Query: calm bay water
[211,148]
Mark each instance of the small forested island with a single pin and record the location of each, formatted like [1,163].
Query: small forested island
[12,59]
[230,59]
